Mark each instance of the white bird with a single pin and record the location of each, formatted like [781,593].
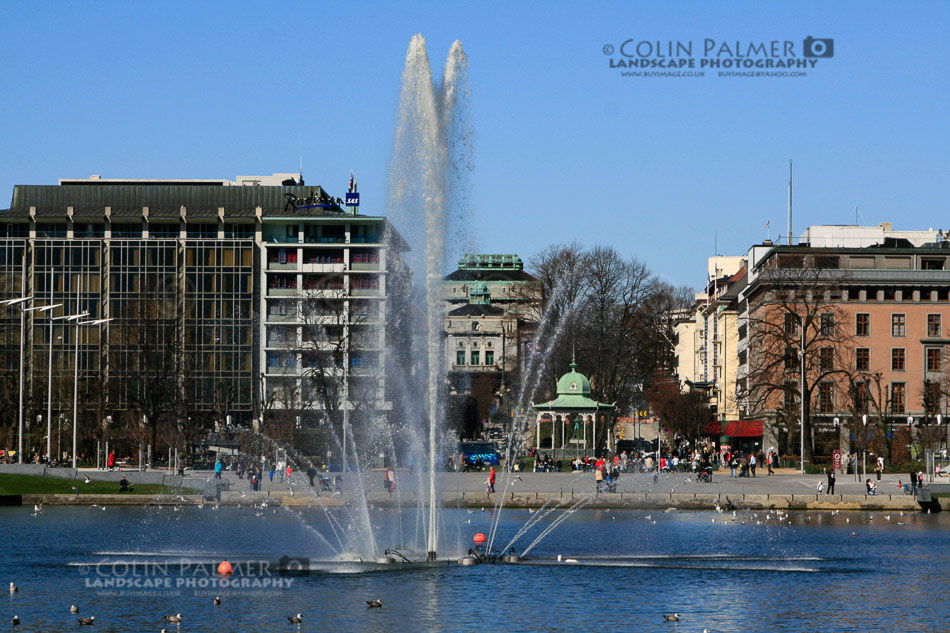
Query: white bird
[73,609]
[15,621]
[297,619]
[13,589]
[86,479]
[88,621]
[174,618]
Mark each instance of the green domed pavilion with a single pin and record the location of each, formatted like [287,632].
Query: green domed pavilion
[573,404]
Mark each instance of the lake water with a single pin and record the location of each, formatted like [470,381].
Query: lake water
[812,572]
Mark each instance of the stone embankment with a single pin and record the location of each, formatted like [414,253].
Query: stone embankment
[469,500]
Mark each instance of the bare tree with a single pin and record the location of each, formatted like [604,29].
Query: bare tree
[792,324]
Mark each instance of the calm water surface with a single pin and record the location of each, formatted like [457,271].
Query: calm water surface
[813,572]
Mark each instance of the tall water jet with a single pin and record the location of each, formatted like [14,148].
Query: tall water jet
[424,175]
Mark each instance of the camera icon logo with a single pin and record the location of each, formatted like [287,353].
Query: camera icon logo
[294,564]
[818,47]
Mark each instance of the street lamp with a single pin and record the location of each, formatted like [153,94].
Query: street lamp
[76,377]
[49,377]
[864,459]
[801,356]
[21,303]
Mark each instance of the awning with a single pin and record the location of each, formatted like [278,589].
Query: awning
[736,428]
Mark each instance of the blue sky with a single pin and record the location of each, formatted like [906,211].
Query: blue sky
[660,168]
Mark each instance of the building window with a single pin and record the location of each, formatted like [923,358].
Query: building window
[791,324]
[898,325]
[897,397]
[476,358]
[932,395]
[827,321]
[898,359]
[489,357]
[791,359]
[460,357]
[933,325]
[826,398]
[859,394]
[862,359]
[826,358]
[933,359]
[863,324]
[791,395]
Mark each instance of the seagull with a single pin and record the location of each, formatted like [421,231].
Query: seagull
[86,479]
[75,489]
[217,601]
[174,618]
[73,609]
[375,604]
[297,619]
[88,621]
[671,618]
[13,589]
[15,621]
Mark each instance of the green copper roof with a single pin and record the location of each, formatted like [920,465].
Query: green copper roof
[479,294]
[573,392]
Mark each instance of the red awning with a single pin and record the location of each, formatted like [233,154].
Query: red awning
[736,428]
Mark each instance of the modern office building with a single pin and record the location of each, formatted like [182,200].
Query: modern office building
[230,296]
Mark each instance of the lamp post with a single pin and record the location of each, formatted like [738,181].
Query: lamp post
[21,303]
[864,458]
[49,377]
[801,356]
[76,380]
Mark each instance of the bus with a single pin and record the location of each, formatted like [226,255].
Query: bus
[472,452]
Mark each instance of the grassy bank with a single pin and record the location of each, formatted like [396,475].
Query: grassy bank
[34,485]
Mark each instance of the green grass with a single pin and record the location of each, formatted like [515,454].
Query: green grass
[35,485]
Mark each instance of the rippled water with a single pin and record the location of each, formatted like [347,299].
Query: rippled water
[813,572]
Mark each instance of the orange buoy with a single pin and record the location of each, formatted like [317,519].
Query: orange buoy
[224,568]
[480,539]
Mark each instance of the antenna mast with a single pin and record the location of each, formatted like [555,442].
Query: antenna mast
[789,201]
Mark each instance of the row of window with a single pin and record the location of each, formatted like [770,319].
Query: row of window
[895,396]
[863,324]
[475,357]
[862,359]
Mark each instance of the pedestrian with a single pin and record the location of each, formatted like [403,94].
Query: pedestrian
[820,486]
[110,461]
[733,464]
[599,478]
[913,483]
[491,478]
[752,462]
[390,481]
[281,467]
[770,462]
[217,469]
[311,473]
[289,473]
[272,474]
[831,481]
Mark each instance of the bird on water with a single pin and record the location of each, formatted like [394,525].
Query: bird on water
[375,604]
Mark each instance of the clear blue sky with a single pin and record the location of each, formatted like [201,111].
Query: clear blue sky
[566,148]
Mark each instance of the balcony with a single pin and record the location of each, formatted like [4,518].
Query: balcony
[276,238]
[281,292]
[365,292]
[280,344]
[281,266]
[365,239]
[283,371]
[280,318]
[362,266]
[325,239]
[334,267]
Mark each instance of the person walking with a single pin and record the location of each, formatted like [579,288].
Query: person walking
[217,469]
[491,479]
[770,462]
[311,473]
[831,481]
[599,478]
[913,482]
[390,482]
[281,467]
[752,463]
